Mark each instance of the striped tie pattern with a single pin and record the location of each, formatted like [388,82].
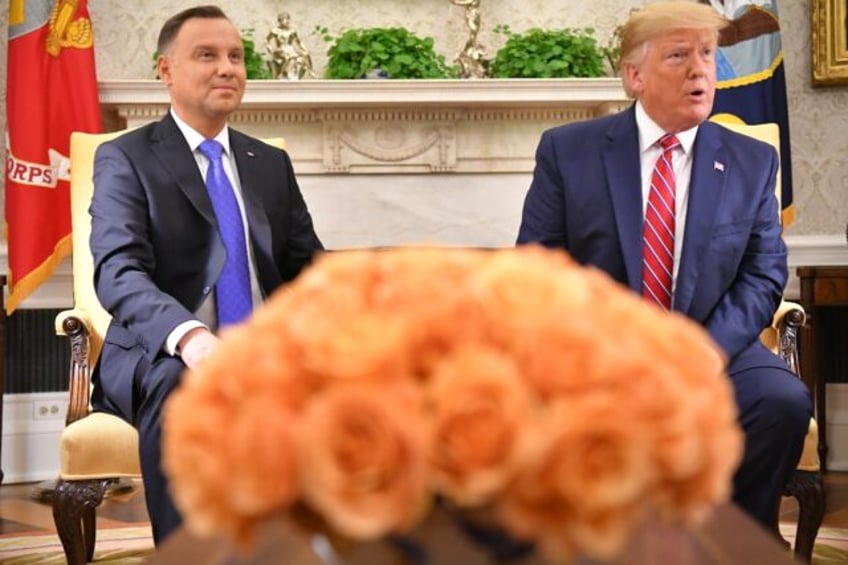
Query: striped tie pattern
[658,230]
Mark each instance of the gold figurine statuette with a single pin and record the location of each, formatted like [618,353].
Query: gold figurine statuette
[289,57]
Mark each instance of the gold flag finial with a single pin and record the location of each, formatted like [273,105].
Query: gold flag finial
[17,14]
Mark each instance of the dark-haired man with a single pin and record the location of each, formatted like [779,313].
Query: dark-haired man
[193,224]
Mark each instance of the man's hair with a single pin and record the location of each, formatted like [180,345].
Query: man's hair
[172,27]
[654,19]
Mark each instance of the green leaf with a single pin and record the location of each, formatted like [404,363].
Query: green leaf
[550,53]
[395,50]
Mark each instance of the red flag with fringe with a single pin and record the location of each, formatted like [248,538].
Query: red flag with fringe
[51,90]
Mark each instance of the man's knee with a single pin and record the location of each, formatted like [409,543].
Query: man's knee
[785,402]
[161,380]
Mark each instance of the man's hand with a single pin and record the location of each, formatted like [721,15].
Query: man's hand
[196,345]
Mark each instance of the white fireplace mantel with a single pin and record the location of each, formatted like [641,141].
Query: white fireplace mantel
[286,95]
[395,126]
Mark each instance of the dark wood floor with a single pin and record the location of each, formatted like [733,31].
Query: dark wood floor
[19,512]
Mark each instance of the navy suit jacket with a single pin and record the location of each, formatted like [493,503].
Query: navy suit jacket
[157,251]
[586,197]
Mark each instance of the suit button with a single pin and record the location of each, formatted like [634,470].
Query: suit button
[207,290]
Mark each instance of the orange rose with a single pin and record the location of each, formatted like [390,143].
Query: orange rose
[479,410]
[213,474]
[510,379]
[689,498]
[363,459]
[584,484]
[328,326]
[216,433]
[429,287]
[195,458]
[523,290]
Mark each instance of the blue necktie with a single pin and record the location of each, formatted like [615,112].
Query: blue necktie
[232,292]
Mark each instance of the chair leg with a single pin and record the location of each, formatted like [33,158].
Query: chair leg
[89,531]
[74,504]
[808,488]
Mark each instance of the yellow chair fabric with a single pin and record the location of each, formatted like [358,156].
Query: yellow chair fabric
[98,446]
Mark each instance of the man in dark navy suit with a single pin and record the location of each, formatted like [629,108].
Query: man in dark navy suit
[158,240]
[591,195]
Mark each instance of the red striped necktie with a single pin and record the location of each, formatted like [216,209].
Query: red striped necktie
[658,229]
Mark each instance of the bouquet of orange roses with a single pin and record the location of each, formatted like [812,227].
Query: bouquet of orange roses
[511,380]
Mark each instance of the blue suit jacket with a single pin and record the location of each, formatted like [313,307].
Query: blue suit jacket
[157,251]
[586,197]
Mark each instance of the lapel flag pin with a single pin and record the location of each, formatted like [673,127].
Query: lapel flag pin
[718,166]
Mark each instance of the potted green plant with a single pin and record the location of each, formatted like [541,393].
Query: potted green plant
[255,65]
[383,53]
[541,53]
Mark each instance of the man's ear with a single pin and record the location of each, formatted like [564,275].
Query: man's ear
[632,78]
[163,68]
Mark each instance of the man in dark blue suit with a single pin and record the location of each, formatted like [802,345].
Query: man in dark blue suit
[158,245]
[727,261]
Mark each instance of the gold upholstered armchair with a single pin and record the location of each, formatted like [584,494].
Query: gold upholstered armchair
[781,337]
[96,449]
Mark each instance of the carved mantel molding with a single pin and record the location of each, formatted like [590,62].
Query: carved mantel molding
[394,126]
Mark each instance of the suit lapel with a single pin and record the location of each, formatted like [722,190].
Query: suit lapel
[706,192]
[251,157]
[171,148]
[624,180]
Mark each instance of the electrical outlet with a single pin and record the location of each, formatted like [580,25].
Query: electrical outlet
[48,410]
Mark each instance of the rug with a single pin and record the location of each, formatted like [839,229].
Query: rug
[831,544]
[127,545]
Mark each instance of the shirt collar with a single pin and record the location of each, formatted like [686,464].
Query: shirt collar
[194,138]
[650,133]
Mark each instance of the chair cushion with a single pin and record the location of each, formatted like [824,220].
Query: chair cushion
[810,456]
[98,446]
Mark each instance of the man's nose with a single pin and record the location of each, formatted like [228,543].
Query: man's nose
[226,67]
[699,65]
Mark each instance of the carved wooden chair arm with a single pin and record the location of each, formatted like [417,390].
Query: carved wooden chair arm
[789,319]
[76,325]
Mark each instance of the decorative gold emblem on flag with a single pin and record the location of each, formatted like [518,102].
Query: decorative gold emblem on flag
[66,32]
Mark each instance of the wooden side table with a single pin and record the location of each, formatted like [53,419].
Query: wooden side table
[821,287]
